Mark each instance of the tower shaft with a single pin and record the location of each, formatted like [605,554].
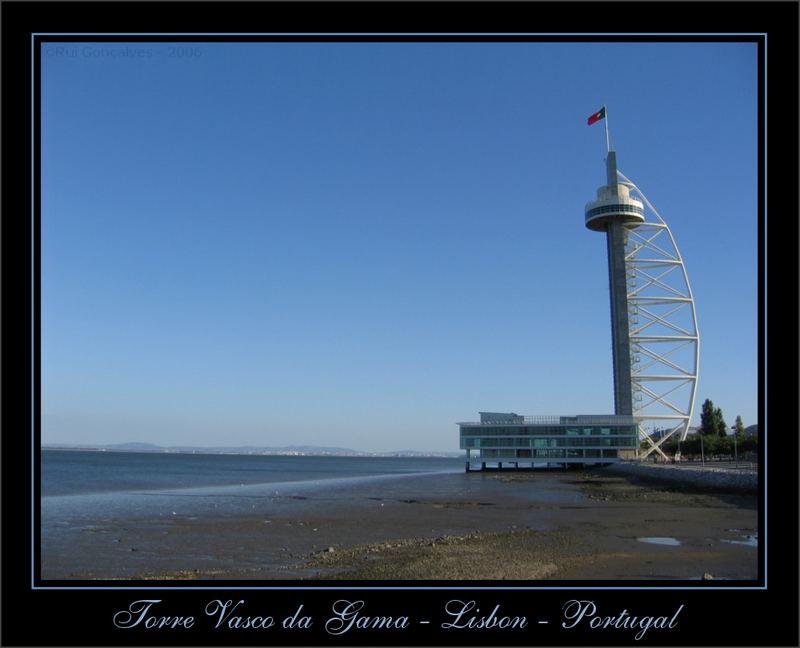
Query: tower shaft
[614,212]
[617,281]
[618,289]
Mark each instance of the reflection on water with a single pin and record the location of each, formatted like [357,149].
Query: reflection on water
[747,541]
[668,542]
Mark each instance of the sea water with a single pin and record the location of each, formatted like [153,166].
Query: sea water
[91,501]
[80,488]
[73,472]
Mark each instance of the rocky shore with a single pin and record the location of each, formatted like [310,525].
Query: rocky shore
[708,478]
[631,528]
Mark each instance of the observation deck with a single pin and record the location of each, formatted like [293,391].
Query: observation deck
[614,203]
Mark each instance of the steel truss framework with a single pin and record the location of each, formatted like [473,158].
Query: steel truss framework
[662,323]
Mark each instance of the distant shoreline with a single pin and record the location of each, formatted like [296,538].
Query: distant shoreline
[289,451]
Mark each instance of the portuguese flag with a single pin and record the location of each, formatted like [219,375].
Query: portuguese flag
[600,114]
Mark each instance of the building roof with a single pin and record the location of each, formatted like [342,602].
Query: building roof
[510,418]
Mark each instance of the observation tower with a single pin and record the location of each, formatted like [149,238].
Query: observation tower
[655,340]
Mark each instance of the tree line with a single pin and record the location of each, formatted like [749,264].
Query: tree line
[713,437]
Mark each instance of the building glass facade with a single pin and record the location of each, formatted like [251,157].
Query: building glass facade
[529,440]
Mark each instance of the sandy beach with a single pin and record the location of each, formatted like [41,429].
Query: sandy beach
[573,525]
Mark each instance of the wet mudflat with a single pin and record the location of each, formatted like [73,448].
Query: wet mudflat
[575,525]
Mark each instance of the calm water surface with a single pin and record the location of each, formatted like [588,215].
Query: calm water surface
[67,472]
[97,492]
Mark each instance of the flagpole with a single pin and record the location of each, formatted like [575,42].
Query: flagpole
[608,141]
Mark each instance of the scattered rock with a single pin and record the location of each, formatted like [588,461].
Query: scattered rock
[707,576]
[711,478]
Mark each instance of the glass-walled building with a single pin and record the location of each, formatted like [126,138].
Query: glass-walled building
[513,441]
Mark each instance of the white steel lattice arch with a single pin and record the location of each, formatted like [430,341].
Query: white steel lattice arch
[662,323]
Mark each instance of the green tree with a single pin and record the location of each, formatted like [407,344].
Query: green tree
[708,421]
[711,444]
[739,428]
[722,428]
[712,422]
[706,417]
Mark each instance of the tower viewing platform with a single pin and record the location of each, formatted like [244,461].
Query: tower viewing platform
[614,202]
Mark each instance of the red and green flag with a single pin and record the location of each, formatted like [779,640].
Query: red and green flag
[600,114]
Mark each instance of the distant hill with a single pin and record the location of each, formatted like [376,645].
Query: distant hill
[135,447]
[749,431]
[422,453]
[290,450]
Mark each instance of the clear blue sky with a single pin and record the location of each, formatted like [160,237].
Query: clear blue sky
[361,244]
